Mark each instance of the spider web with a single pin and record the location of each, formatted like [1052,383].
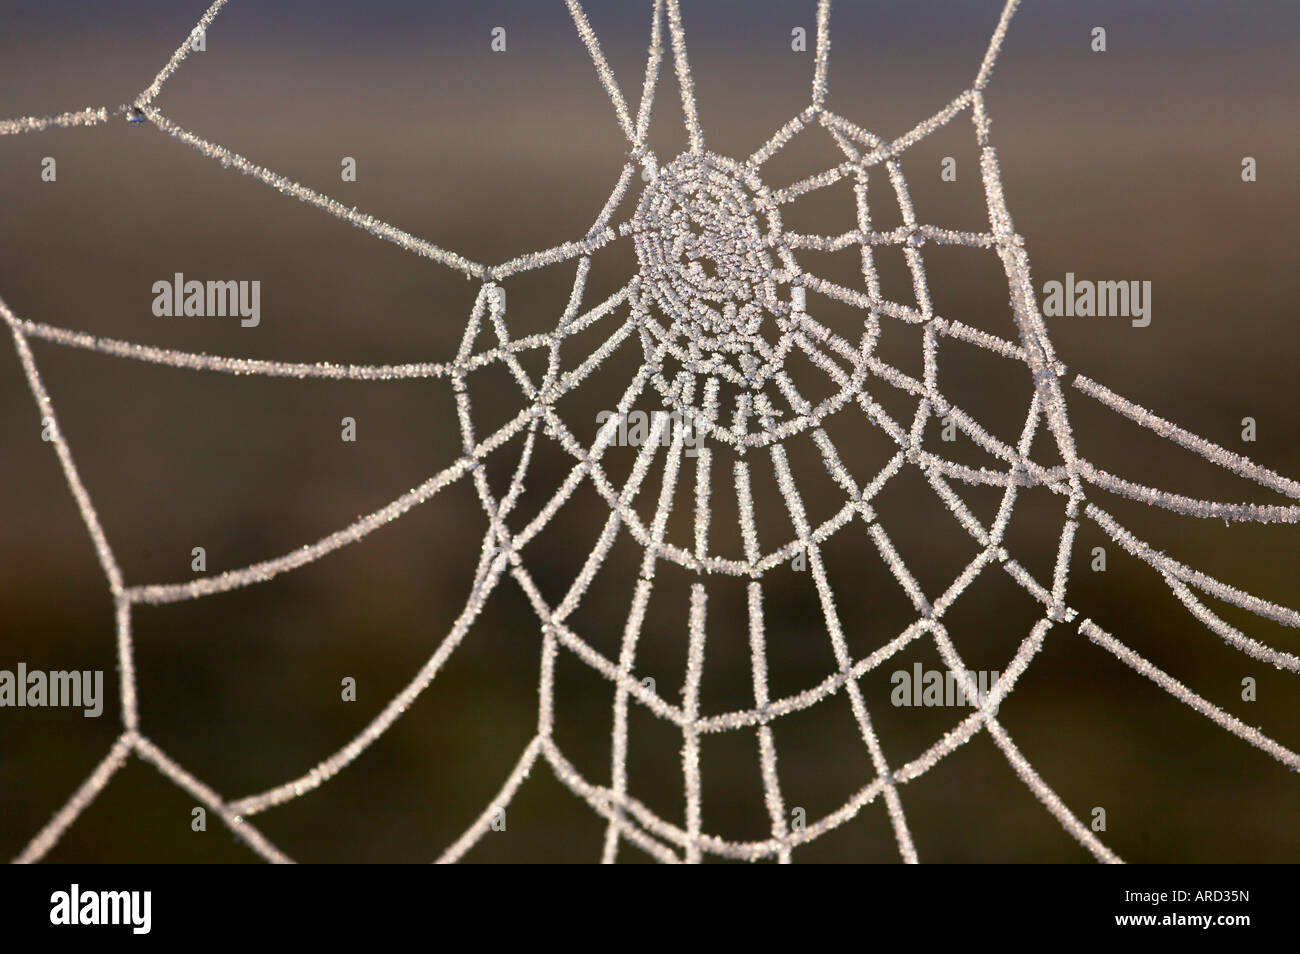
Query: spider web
[718,308]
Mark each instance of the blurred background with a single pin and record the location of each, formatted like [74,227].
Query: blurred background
[1122,165]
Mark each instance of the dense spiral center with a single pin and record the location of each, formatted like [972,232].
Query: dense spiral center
[706,261]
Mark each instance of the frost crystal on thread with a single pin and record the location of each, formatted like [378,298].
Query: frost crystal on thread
[719,308]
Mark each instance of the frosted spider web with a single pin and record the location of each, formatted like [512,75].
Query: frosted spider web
[718,305]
